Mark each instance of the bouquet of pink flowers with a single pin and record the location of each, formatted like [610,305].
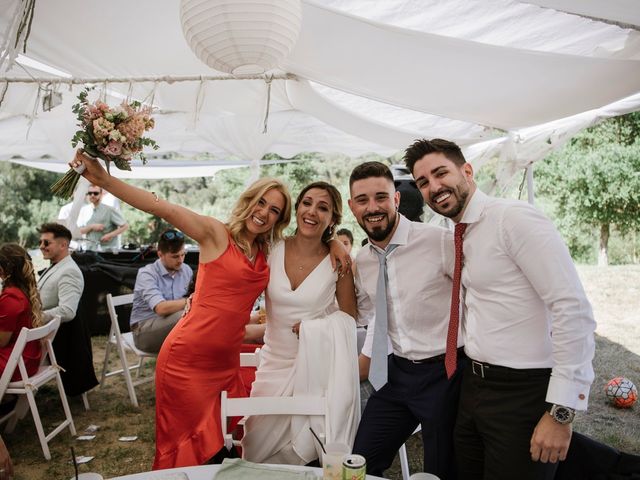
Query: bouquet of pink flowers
[112,134]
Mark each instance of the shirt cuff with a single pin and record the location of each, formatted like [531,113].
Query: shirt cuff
[153,303]
[568,394]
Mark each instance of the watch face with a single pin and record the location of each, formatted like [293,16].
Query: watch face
[562,414]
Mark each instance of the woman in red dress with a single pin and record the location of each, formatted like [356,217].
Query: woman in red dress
[19,306]
[201,356]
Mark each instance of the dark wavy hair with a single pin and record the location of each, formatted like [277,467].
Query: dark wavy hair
[18,271]
[422,147]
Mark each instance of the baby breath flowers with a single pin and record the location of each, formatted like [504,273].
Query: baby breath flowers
[112,134]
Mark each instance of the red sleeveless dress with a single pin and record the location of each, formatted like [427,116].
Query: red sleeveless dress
[201,357]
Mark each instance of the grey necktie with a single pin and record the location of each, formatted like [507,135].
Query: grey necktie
[379,352]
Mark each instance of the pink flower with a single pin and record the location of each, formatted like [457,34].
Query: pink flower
[113,148]
[101,128]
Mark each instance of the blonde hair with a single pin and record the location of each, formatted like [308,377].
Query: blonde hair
[244,207]
[16,266]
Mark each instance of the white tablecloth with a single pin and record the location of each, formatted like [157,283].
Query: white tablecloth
[204,472]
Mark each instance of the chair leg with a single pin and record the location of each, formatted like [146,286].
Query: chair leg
[127,374]
[65,404]
[38,423]
[139,369]
[85,401]
[404,462]
[106,361]
[19,411]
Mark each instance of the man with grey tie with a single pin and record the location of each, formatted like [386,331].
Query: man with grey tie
[403,279]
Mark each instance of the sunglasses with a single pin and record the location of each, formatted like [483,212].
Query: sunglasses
[45,243]
[94,193]
[173,235]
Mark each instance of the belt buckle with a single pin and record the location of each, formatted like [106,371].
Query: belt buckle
[417,362]
[480,366]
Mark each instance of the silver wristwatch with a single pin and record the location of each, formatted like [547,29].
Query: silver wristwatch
[561,414]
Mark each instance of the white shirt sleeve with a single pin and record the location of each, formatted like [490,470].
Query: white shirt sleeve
[366,308]
[537,248]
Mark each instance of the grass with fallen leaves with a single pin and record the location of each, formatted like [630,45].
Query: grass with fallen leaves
[615,296]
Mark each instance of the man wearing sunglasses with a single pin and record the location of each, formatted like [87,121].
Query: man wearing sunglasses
[159,293]
[61,286]
[104,224]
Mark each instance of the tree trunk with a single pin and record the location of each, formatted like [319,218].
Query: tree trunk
[603,254]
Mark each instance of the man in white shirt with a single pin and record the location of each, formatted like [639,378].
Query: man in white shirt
[528,326]
[419,261]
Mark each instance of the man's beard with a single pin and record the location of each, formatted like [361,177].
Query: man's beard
[380,234]
[459,194]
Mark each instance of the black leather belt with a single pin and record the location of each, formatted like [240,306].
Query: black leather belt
[498,372]
[434,359]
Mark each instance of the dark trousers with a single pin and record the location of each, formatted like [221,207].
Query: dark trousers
[499,408]
[415,394]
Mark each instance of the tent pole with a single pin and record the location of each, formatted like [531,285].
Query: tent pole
[530,192]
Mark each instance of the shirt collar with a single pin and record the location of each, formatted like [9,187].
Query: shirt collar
[475,207]
[163,270]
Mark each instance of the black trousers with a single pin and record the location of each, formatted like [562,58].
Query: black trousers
[499,408]
[415,394]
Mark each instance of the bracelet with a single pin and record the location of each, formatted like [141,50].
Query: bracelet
[155,197]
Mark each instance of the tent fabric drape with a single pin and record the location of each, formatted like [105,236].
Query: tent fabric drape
[503,78]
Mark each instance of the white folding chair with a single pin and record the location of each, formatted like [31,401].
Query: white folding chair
[28,386]
[250,359]
[404,461]
[247,406]
[123,343]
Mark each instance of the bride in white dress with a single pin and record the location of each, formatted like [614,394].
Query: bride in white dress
[310,340]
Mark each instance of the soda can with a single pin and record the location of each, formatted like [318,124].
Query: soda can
[354,467]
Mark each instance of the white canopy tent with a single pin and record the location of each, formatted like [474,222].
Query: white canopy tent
[503,78]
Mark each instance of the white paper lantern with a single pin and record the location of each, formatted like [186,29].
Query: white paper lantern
[241,36]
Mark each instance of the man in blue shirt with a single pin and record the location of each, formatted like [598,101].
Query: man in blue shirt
[159,293]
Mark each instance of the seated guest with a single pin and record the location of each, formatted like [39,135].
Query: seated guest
[159,295]
[61,287]
[345,237]
[61,284]
[19,306]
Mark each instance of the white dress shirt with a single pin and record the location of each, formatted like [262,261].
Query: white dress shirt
[525,306]
[418,289]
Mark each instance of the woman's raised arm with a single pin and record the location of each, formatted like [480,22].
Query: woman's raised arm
[207,231]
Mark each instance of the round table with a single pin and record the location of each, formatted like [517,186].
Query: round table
[203,472]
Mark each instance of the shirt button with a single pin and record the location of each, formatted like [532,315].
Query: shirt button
[581,396]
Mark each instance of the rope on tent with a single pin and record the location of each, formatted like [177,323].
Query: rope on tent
[267,79]
[34,113]
[199,102]
[16,36]
[163,78]
[149,99]
[3,91]
[129,92]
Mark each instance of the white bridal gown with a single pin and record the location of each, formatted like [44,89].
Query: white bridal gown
[324,359]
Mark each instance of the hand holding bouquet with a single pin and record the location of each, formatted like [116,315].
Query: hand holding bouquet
[112,134]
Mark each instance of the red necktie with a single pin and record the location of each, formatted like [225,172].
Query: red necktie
[451,355]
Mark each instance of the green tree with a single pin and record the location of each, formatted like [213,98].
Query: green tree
[25,202]
[595,180]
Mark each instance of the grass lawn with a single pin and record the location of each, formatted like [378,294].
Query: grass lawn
[613,291]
